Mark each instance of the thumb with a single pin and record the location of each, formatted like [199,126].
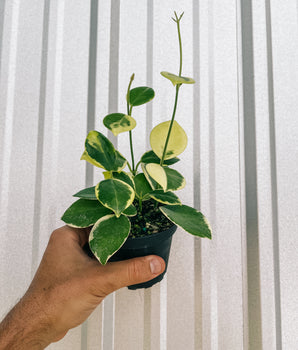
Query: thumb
[120,274]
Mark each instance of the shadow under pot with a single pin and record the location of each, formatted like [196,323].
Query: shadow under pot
[155,244]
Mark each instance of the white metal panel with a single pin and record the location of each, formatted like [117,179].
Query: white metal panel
[64,65]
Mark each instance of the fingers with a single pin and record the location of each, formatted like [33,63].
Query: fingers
[120,274]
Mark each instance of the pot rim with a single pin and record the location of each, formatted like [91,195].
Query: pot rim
[149,240]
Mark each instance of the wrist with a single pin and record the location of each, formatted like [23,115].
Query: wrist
[25,327]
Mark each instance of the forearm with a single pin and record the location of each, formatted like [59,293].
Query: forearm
[25,327]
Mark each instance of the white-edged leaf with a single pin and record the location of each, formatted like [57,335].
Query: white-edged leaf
[165,197]
[108,235]
[115,195]
[175,181]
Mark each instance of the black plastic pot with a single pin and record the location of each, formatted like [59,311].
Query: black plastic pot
[156,244]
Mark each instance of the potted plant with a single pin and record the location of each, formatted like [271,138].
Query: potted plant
[134,212]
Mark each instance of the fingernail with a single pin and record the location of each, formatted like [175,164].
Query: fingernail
[155,266]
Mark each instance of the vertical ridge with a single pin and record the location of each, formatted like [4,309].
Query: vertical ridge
[9,109]
[91,104]
[251,202]
[149,81]
[273,170]
[2,12]
[114,62]
[198,341]
[149,76]
[40,137]
[242,179]
[212,179]
[109,303]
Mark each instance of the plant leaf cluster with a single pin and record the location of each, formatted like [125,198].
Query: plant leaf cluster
[108,206]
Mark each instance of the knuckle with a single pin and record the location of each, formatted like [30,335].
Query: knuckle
[136,270]
[55,235]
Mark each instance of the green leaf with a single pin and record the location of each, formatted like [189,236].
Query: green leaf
[87,193]
[175,181]
[142,186]
[175,79]
[130,211]
[157,173]
[108,235]
[151,157]
[123,176]
[140,95]
[84,213]
[100,152]
[115,195]
[177,141]
[188,218]
[165,197]
[119,122]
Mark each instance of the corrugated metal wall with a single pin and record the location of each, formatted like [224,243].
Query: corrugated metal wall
[65,64]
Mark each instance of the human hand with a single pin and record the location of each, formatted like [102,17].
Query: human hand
[67,287]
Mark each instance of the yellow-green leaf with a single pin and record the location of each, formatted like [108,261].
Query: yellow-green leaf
[175,79]
[119,122]
[177,141]
[157,173]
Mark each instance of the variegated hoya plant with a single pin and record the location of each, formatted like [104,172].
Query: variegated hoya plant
[117,204]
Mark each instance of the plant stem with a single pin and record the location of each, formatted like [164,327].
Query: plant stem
[171,125]
[180,43]
[177,90]
[140,205]
[129,110]
[129,167]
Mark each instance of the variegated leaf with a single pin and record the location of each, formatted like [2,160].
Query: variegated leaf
[177,141]
[108,235]
[157,173]
[119,122]
[87,193]
[115,195]
[175,181]
[84,213]
[165,197]
[176,79]
[100,152]
[189,219]
[142,186]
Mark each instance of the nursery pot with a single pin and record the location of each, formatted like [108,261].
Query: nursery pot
[155,244]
